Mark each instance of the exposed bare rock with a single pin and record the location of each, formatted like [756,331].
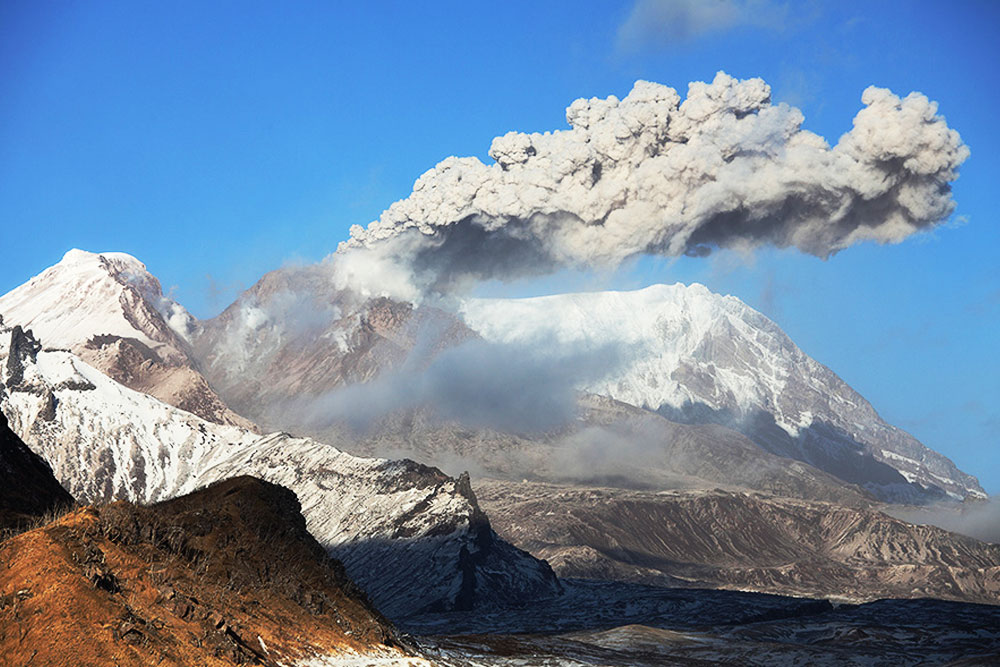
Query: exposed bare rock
[23,349]
[112,312]
[740,541]
[226,575]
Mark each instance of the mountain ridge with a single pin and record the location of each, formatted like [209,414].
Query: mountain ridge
[693,356]
[225,575]
[107,442]
[699,357]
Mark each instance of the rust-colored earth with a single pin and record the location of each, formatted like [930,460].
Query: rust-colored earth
[226,575]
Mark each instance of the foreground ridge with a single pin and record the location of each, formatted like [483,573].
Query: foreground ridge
[227,574]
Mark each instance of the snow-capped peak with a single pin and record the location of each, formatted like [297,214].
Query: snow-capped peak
[93,294]
[695,355]
[663,328]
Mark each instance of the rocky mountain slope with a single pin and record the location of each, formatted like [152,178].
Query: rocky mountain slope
[740,541]
[295,334]
[110,311]
[693,356]
[226,575]
[28,490]
[698,357]
[411,536]
[607,443]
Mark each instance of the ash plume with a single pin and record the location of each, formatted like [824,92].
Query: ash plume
[652,174]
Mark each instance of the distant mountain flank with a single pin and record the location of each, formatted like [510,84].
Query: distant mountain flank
[740,541]
[607,443]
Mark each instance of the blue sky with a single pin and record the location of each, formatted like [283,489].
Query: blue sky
[218,140]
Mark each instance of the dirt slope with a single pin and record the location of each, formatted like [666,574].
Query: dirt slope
[226,575]
[742,541]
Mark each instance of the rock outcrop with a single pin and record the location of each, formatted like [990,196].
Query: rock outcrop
[742,541]
[226,575]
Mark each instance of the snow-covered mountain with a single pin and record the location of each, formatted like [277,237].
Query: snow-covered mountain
[684,352]
[112,313]
[414,538]
[689,354]
[698,357]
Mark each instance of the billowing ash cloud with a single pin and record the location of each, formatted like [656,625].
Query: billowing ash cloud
[651,174]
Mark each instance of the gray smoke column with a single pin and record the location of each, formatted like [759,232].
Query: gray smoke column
[651,174]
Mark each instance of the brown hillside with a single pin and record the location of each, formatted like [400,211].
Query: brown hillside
[743,541]
[226,575]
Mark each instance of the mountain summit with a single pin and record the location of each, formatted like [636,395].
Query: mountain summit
[698,357]
[112,313]
[688,354]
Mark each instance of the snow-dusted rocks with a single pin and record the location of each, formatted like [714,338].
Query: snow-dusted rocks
[111,312]
[411,536]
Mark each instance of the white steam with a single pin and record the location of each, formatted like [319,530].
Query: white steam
[517,388]
[980,520]
[651,174]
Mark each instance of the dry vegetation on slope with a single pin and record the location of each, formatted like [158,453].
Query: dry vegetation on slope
[225,575]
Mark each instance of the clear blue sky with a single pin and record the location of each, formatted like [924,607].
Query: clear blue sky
[218,140]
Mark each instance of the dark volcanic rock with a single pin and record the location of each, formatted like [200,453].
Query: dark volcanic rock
[23,347]
[28,489]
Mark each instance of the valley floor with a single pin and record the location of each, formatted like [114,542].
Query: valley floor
[608,623]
